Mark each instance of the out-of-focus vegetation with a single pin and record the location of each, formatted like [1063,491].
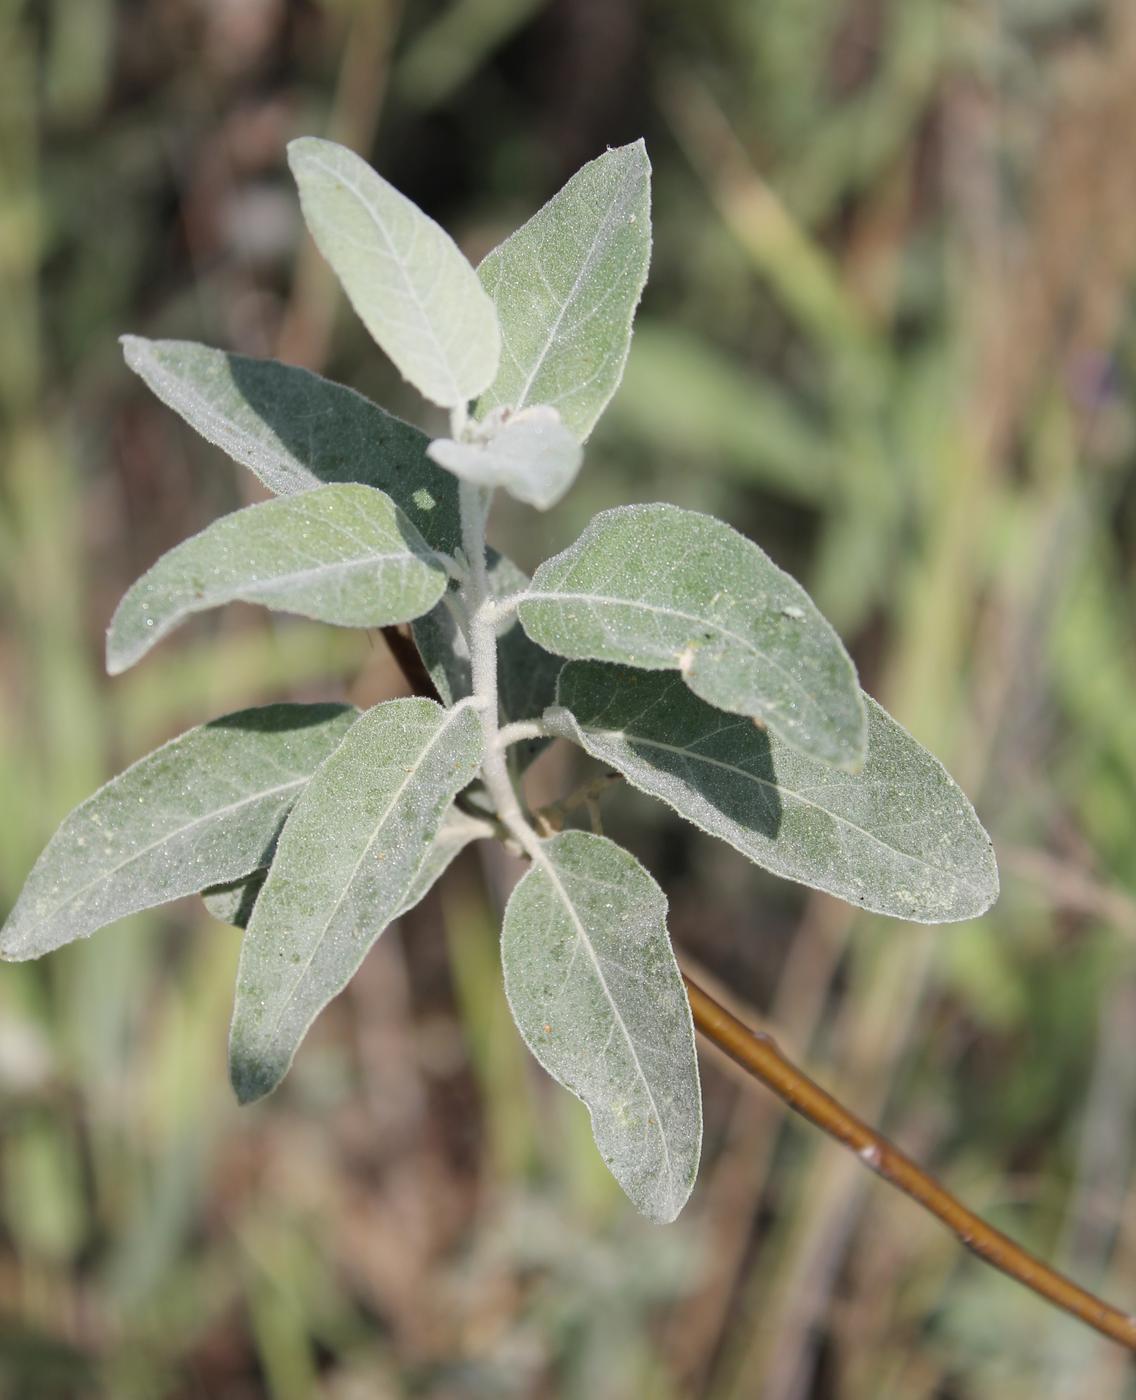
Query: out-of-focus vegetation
[889,334]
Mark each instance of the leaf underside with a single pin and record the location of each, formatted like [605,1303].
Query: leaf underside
[340,554]
[898,838]
[346,862]
[203,809]
[596,993]
[661,588]
[296,431]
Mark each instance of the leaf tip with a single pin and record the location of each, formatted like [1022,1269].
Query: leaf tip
[633,150]
[851,754]
[134,348]
[301,146]
[251,1079]
[14,943]
[991,886]
[118,657]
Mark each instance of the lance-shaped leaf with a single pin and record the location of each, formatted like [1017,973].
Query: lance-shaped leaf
[342,554]
[296,431]
[664,589]
[202,809]
[233,903]
[406,277]
[533,456]
[346,863]
[899,837]
[526,673]
[566,286]
[596,992]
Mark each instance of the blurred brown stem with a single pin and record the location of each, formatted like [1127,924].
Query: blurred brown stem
[759,1055]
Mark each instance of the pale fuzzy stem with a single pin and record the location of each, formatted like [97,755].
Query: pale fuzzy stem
[483,665]
[519,731]
[507,606]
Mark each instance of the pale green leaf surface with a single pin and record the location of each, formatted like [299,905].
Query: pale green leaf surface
[346,862]
[595,990]
[526,673]
[405,276]
[203,809]
[296,431]
[340,554]
[898,838]
[667,589]
[533,457]
[233,903]
[566,286]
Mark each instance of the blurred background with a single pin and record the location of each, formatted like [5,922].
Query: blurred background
[889,334]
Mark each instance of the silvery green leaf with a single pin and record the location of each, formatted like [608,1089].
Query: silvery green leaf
[898,838]
[526,673]
[406,277]
[596,992]
[347,861]
[668,589]
[296,431]
[341,554]
[532,455]
[566,286]
[203,809]
[233,903]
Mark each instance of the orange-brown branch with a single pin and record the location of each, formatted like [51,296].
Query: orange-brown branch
[758,1054]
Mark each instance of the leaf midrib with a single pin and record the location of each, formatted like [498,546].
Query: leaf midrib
[274,581]
[538,363]
[214,814]
[541,857]
[411,773]
[442,358]
[576,596]
[237,438]
[779,788]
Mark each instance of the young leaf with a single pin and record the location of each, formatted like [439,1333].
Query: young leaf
[405,276]
[346,862]
[566,286]
[233,903]
[201,810]
[663,589]
[296,431]
[533,456]
[897,838]
[342,554]
[596,992]
[526,673]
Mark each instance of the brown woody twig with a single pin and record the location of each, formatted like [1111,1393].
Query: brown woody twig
[759,1055]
